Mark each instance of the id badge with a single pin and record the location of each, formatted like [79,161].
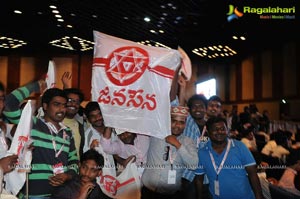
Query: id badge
[216,185]
[172,177]
[58,168]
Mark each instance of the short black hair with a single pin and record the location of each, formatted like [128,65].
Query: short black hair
[215,119]
[75,91]
[196,97]
[51,93]
[245,131]
[91,106]
[91,154]
[215,98]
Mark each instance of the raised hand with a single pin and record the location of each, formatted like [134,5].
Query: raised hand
[66,80]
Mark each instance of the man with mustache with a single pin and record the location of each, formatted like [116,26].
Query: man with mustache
[167,159]
[84,185]
[227,163]
[75,97]
[54,157]
[94,133]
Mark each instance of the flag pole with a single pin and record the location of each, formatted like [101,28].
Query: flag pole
[27,186]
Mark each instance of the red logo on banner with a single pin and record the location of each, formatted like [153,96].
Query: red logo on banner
[126,65]
[21,143]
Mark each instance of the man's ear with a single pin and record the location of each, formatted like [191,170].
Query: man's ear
[45,106]
[100,172]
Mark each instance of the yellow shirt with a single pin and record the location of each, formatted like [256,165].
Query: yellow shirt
[74,126]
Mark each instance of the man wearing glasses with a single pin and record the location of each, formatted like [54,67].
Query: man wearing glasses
[75,97]
[167,159]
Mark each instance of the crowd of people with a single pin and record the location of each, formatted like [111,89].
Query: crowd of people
[209,154]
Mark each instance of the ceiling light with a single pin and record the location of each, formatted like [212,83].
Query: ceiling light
[147,19]
[55,11]
[57,16]
[6,42]
[153,43]
[94,16]
[69,26]
[72,14]
[243,38]
[234,37]
[65,42]
[162,6]
[210,51]
[170,4]
[17,11]
[60,20]
[39,13]
[161,31]
[125,18]
[165,14]
[152,31]
[53,7]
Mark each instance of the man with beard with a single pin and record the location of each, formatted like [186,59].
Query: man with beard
[84,185]
[94,133]
[54,158]
[228,163]
[167,159]
[75,97]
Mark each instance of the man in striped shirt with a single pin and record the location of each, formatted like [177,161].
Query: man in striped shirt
[54,157]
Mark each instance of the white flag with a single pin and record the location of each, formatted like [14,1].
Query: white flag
[186,66]
[51,75]
[131,82]
[21,140]
[127,185]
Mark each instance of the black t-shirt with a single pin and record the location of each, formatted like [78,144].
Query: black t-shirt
[70,190]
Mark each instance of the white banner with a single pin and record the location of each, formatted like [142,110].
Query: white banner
[127,185]
[132,82]
[20,143]
[51,75]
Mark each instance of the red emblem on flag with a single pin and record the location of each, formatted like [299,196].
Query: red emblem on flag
[127,64]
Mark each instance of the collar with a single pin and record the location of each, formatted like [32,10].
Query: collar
[209,144]
[52,127]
